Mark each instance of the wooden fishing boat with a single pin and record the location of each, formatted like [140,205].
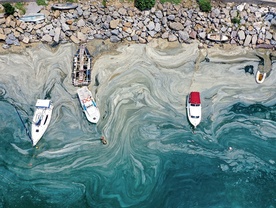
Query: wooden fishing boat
[88,104]
[64,6]
[217,37]
[194,108]
[81,75]
[41,119]
[33,17]
[260,77]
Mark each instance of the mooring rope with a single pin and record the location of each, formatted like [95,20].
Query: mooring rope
[202,56]
[27,131]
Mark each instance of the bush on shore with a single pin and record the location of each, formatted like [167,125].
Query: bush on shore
[144,4]
[205,5]
[20,7]
[236,20]
[171,1]
[41,2]
[9,9]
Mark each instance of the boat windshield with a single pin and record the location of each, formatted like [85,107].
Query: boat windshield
[89,102]
[43,103]
[195,116]
[195,104]
[89,105]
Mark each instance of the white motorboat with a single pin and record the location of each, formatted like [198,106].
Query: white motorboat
[217,37]
[194,108]
[33,17]
[260,77]
[64,6]
[88,104]
[41,119]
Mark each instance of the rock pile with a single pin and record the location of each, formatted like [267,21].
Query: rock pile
[244,24]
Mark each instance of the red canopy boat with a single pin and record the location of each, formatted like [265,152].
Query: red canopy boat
[194,108]
[194,98]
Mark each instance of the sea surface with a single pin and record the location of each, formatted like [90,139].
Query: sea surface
[153,158]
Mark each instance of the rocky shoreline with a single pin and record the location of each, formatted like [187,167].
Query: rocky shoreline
[91,20]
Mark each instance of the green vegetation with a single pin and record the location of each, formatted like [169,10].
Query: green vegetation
[144,4]
[171,1]
[104,3]
[9,9]
[41,2]
[205,5]
[20,6]
[236,20]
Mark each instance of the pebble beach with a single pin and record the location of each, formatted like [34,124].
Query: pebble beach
[122,22]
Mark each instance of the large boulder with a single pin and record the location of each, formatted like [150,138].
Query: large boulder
[176,26]
[114,39]
[74,39]
[114,23]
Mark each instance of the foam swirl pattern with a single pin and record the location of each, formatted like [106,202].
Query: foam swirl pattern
[153,159]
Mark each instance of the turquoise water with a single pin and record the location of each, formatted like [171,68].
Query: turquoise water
[153,158]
